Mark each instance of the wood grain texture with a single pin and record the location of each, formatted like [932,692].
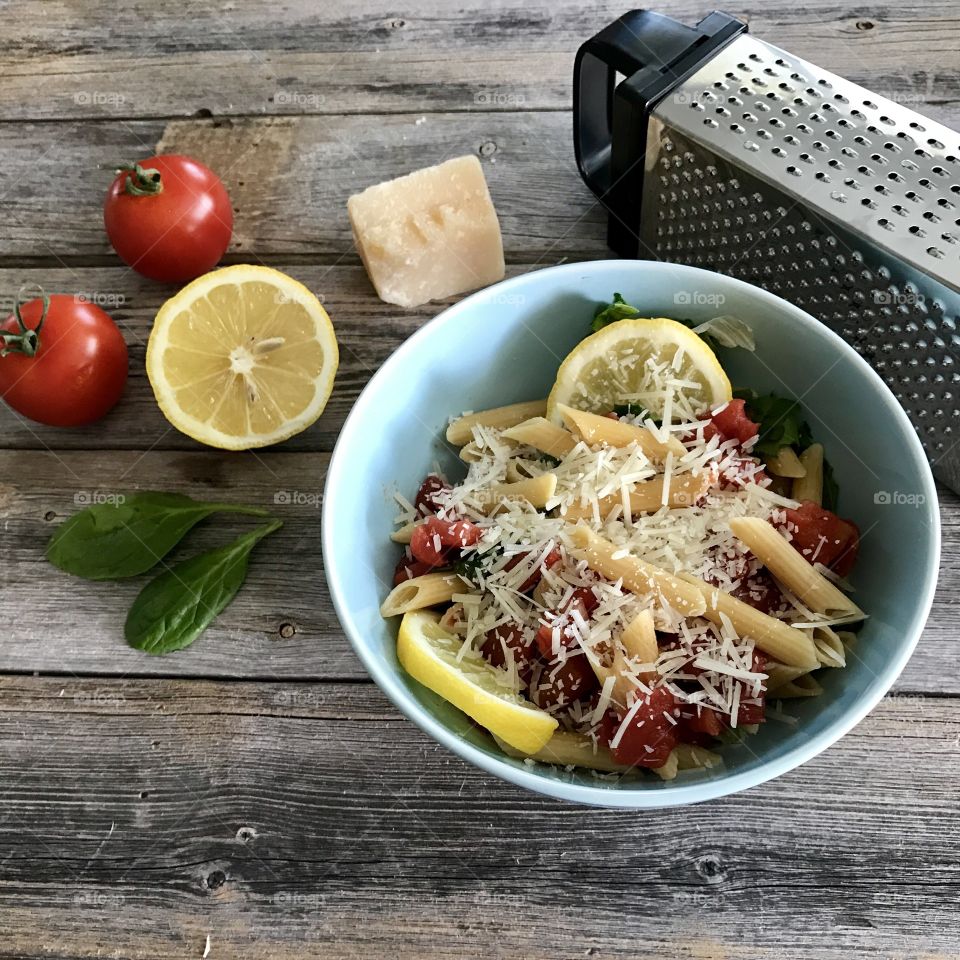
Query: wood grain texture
[102,59]
[289,179]
[302,820]
[257,788]
[73,626]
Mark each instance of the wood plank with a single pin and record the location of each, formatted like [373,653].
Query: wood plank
[140,817]
[289,179]
[368,331]
[55,623]
[297,56]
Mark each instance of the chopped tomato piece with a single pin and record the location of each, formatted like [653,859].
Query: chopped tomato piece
[550,560]
[409,568]
[607,727]
[761,592]
[427,546]
[650,736]
[706,721]
[426,499]
[458,533]
[560,685]
[433,538]
[822,537]
[510,635]
[732,423]
[583,601]
[753,709]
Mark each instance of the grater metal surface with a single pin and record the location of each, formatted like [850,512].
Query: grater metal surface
[765,167]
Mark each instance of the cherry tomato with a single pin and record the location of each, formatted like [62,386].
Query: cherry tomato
[511,636]
[169,217]
[426,501]
[65,361]
[407,568]
[649,736]
[427,547]
[560,685]
[823,537]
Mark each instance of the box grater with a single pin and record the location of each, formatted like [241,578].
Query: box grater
[712,148]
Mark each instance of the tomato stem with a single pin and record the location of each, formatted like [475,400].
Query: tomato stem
[142,182]
[24,340]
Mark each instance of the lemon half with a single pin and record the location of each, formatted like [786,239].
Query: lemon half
[242,357]
[635,360]
[429,654]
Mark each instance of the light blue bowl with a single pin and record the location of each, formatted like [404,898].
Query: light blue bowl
[503,345]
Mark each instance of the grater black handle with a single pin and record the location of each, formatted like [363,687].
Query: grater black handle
[653,53]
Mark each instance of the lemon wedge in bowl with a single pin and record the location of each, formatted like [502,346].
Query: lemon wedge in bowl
[242,357]
[642,361]
[431,655]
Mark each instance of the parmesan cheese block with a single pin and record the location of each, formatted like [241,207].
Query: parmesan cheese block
[431,234]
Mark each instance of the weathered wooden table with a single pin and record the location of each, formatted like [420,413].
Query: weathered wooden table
[257,789]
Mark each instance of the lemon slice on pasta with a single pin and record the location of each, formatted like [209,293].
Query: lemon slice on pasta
[431,655]
[242,357]
[641,361]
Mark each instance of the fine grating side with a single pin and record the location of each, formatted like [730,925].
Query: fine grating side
[767,168]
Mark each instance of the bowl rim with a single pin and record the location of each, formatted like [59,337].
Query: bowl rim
[666,794]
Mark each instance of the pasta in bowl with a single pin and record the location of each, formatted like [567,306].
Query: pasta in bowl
[630,598]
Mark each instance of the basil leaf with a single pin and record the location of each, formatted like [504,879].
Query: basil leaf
[473,563]
[110,541]
[781,422]
[608,313]
[174,608]
[831,489]
[782,425]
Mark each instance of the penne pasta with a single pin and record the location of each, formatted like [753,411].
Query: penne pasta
[425,591]
[772,636]
[470,453]
[669,770]
[460,431]
[565,749]
[830,650]
[594,429]
[637,575]
[780,674]
[803,686]
[690,757]
[543,435]
[786,464]
[810,485]
[639,638]
[646,497]
[536,491]
[791,568]
[403,534]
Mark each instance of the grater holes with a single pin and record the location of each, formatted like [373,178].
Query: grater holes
[852,183]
